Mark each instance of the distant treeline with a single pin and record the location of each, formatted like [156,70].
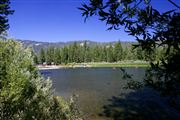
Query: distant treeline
[79,53]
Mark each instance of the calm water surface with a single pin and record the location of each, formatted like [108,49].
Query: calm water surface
[93,86]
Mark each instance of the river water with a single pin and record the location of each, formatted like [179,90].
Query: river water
[94,87]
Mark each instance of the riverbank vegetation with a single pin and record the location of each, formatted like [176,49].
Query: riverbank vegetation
[24,93]
[107,64]
[102,55]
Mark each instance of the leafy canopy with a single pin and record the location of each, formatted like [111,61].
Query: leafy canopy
[152,29]
[24,94]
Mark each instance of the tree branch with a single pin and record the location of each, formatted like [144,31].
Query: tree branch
[174,3]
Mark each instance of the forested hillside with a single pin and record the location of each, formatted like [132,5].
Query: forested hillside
[79,52]
[37,45]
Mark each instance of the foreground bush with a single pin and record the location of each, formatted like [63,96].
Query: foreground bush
[24,94]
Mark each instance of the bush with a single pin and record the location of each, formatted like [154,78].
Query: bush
[24,93]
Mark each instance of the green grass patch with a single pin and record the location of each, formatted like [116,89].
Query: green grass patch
[119,65]
[106,64]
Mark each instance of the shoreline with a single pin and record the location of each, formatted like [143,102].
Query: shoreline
[47,67]
[94,65]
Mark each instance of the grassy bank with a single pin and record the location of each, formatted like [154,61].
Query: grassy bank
[97,64]
[106,64]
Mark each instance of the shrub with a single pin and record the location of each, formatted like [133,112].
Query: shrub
[24,93]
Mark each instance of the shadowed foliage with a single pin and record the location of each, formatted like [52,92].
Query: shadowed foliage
[143,104]
[152,29]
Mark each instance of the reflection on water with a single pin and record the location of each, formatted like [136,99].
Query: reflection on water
[92,85]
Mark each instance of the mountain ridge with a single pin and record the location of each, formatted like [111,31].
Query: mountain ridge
[37,45]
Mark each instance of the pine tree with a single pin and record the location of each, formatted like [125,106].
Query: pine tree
[64,55]
[85,52]
[96,54]
[139,53]
[110,56]
[57,56]
[50,55]
[125,53]
[42,56]
[75,52]
[118,51]
[35,58]
[103,54]
[81,52]
[4,12]
[88,55]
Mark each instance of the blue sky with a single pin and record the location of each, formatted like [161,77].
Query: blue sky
[61,21]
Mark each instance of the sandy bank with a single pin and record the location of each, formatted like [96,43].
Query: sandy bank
[47,67]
